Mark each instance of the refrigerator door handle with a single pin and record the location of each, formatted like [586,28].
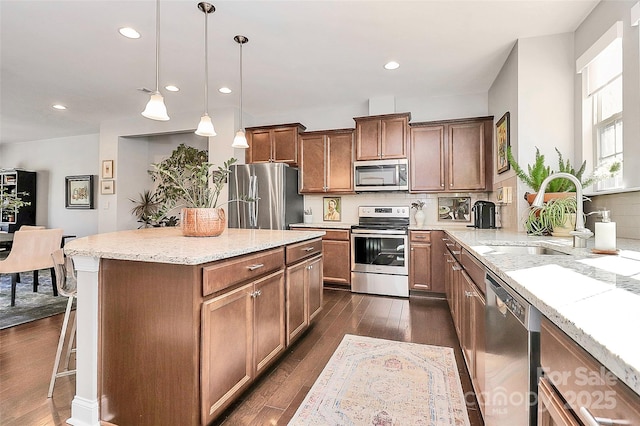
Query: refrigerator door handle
[253,193]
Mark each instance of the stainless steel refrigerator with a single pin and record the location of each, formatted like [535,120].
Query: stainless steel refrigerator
[274,186]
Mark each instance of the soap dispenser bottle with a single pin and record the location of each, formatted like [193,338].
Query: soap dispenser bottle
[605,233]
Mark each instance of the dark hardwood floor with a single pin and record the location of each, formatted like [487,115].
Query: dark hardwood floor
[27,353]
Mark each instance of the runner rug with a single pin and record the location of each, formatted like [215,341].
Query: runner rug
[30,306]
[379,382]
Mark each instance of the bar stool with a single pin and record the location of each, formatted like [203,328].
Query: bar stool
[67,286]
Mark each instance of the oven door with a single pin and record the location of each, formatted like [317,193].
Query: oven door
[379,253]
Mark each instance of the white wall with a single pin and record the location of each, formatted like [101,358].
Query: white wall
[536,86]
[53,159]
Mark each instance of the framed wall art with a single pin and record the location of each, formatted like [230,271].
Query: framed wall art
[79,192]
[107,187]
[332,207]
[107,169]
[456,209]
[502,143]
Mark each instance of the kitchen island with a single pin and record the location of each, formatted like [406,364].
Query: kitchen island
[171,329]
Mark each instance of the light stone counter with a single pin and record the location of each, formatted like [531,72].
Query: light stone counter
[324,225]
[168,245]
[595,299]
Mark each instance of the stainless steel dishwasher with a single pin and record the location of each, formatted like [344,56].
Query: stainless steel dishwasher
[512,358]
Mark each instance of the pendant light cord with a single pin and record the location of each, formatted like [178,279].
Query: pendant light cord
[241,127]
[157,46]
[206,63]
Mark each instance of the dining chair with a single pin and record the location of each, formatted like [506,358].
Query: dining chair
[35,273]
[67,286]
[31,251]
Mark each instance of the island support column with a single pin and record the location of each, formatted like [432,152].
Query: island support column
[84,407]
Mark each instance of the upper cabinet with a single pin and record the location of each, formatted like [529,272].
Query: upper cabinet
[382,136]
[268,144]
[326,161]
[453,155]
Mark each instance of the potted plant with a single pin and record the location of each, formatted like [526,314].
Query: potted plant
[556,217]
[419,214]
[151,212]
[184,181]
[10,202]
[538,171]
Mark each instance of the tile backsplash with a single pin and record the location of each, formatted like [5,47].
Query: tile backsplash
[625,211]
[351,202]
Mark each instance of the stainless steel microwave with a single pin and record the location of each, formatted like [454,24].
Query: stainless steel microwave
[381,175]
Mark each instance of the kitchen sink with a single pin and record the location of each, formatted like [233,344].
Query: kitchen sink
[530,250]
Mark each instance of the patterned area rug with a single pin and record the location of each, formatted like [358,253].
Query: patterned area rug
[30,306]
[383,383]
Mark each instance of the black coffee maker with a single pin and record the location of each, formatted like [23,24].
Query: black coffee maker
[484,215]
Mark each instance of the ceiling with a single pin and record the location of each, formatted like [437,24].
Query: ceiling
[301,54]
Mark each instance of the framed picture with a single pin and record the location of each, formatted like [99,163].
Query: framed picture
[455,209]
[79,192]
[331,209]
[502,143]
[107,187]
[107,169]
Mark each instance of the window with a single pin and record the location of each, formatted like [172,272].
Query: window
[601,68]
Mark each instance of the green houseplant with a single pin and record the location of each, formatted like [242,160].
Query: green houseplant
[11,202]
[187,180]
[556,217]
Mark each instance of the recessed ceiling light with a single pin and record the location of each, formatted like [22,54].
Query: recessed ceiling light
[391,65]
[172,88]
[59,106]
[129,32]
[224,90]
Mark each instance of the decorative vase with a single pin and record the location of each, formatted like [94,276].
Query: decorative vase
[419,217]
[203,222]
[568,226]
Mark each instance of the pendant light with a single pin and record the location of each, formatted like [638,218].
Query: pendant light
[156,110]
[240,140]
[205,127]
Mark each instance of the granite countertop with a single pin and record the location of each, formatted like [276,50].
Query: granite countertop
[168,245]
[325,225]
[593,298]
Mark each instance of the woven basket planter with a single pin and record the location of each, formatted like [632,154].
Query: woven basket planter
[203,222]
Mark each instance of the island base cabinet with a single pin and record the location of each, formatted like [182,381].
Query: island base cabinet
[242,333]
[304,295]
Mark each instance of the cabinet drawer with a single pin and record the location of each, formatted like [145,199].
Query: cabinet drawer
[298,251]
[475,270]
[336,234]
[583,382]
[227,273]
[420,236]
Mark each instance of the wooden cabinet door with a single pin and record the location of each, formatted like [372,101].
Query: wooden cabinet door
[339,162]
[337,261]
[427,158]
[312,163]
[420,266]
[467,161]
[393,137]
[269,321]
[285,145]
[479,347]
[227,348]
[297,304]
[368,139]
[259,146]
[314,286]
[466,316]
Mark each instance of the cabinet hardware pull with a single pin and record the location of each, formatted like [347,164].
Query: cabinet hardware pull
[446,239]
[469,294]
[449,244]
[255,266]
[253,294]
[456,268]
[259,292]
[455,251]
[450,260]
[309,249]
[600,421]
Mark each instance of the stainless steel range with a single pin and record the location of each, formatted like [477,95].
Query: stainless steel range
[379,251]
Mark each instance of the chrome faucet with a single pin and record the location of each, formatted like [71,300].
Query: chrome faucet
[580,234]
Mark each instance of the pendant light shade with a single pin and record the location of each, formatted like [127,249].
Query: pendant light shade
[156,110]
[240,141]
[205,128]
